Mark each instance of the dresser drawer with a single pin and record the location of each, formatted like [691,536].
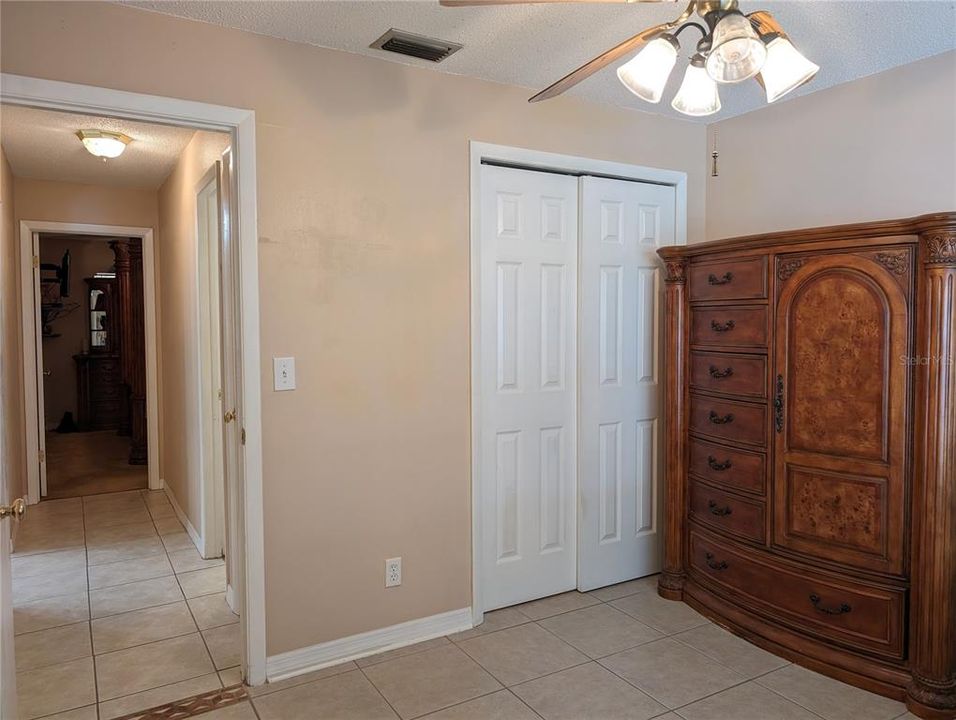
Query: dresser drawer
[729,467]
[728,419]
[836,609]
[744,375]
[727,513]
[737,279]
[729,327]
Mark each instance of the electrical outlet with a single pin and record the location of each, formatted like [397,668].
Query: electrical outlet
[393,572]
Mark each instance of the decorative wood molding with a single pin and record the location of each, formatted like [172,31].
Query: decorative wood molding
[786,268]
[940,247]
[897,263]
[675,271]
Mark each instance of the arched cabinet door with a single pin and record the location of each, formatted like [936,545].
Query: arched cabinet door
[841,383]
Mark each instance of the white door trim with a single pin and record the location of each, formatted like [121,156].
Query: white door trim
[32,348]
[241,124]
[531,160]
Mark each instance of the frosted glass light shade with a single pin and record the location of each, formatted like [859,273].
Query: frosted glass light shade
[785,69]
[102,143]
[646,74]
[738,53]
[698,93]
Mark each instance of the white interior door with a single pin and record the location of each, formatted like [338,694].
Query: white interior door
[231,345]
[210,365]
[526,461]
[622,225]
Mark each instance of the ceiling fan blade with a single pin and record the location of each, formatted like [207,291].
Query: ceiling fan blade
[600,62]
[474,3]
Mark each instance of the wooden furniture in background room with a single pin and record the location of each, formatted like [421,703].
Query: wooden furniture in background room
[101,400]
[810,485]
[128,259]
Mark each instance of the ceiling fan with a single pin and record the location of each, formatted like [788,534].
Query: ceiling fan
[733,47]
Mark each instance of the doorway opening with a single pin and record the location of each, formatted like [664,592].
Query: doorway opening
[566,355]
[138,557]
[94,395]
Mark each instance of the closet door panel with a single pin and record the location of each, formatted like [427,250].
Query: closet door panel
[842,333]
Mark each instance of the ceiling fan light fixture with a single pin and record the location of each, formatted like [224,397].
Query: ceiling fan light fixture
[698,94]
[102,143]
[786,69]
[737,53]
[646,74]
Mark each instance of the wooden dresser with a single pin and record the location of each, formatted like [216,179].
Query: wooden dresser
[810,482]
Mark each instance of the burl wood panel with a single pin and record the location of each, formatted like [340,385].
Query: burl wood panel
[734,468]
[853,614]
[838,510]
[843,326]
[733,374]
[729,327]
[837,373]
[727,513]
[736,279]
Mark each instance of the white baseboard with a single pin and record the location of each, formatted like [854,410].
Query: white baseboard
[190,530]
[316,657]
[231,598]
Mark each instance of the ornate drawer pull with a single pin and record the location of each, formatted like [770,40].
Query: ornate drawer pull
[717,510]
[714,280]
[717,373]
[717,327]
[713,564]
[721,419]
[719,466]
[778,405]
[844,608]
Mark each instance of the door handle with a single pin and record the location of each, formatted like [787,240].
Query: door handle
[16,509]
[229,416]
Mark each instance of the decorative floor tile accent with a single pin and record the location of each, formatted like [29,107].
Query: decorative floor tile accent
[190,707]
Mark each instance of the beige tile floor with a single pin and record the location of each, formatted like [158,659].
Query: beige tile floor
[114,609]
[619,653]
[160,631]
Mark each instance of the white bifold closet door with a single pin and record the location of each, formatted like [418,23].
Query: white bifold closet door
[619,359]
[528,276]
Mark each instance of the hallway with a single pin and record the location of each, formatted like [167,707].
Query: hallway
[90,463]
[115,610]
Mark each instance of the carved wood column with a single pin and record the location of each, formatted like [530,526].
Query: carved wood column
[932,692]
[138,454]
[671,583]
[121,324]
[128,260]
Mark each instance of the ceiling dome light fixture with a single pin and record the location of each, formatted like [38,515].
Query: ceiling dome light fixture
[104,144]
[733,47]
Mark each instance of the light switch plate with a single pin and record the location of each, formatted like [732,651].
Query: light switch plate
[283,373]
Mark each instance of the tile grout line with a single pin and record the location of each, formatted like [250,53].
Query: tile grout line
[89,607]
[372,683]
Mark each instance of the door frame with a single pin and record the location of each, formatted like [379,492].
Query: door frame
[33,349]
[524,159]
[241,125]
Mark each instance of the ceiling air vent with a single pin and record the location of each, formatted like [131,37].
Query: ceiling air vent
[406,43]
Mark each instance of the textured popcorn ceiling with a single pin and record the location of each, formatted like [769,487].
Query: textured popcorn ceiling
[534,45]
[42,144]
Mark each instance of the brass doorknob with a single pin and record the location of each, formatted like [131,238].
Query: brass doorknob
[16,509]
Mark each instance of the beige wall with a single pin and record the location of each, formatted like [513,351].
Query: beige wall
[881,147]
[73,202]
[59,388]
[182,468]
[12,439]
[363,236]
